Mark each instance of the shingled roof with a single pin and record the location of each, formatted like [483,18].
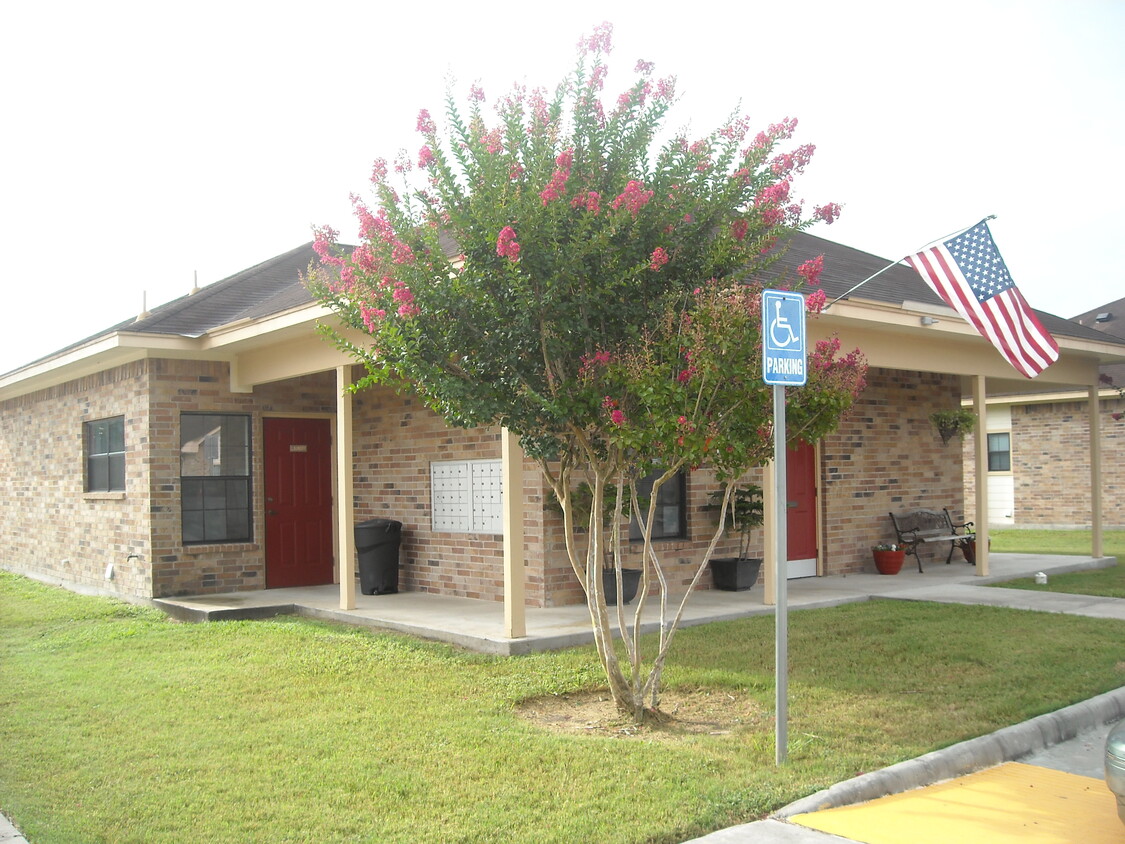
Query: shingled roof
[845,267]
[1108,319]
[260,291]
[275,286]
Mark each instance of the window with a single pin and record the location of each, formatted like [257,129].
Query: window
[670,520]
[105,455]
[215,478]
[466,496]
[999,452]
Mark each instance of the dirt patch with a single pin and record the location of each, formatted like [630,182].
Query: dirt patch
[682,713]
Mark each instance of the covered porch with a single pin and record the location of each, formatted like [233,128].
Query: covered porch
[479,625]
[903,337]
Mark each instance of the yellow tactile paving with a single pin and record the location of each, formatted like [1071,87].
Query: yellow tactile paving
[1009,803]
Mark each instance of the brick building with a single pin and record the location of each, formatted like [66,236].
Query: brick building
[205,447]
[1037,478]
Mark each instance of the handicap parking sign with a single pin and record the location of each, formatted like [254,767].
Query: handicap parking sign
[783,338]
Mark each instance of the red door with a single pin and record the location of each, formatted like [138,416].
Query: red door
[800,510]
[298,477]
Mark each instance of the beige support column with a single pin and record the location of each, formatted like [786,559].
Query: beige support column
[511,454]
[980,472]
[345,535]
[769,527]
[1096,547]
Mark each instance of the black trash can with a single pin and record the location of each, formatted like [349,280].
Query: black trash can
[376,544]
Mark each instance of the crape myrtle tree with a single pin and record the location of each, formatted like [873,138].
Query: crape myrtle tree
[550,266]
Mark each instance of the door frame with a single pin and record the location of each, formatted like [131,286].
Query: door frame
[818,559]
[331,417]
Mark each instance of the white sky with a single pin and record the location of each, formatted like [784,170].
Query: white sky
[147,141]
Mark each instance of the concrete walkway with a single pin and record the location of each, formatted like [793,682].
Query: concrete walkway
[479,625]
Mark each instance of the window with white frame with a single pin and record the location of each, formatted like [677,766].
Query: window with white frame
[466,496]
[1000,452]
[105,455]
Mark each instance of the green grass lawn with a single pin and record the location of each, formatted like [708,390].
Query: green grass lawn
[117,724]
[1108,583]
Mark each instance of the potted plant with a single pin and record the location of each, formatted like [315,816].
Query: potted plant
[743,514]
[953,423]
[888,557]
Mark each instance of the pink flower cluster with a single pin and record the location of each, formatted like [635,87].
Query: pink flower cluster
[597,78]
[666,88]
[591,362]
[425,157]
[506,245]
[378,227]
[815,301]
[426,123]
[476,93]
[659,259]
[364,258]
[600,42]
[370,316]
[634,197]
[405,299]
[557,186]
[616,414]
[792,162]
[776,132]
[493,142]
[811,269]
[736,130]
[829,212]
[739,228]
[324,237]
[590,200]
[774,194]
[379,171]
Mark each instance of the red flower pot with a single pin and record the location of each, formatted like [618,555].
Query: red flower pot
[889,562]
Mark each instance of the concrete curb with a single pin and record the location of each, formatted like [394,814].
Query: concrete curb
[1004,745]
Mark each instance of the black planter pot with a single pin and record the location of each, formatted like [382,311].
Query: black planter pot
[735,574]
[630,579]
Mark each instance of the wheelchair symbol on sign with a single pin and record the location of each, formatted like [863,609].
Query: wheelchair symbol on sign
[781,332]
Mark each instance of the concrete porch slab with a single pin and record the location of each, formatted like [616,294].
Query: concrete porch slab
[478,625]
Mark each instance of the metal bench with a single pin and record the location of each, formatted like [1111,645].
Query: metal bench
[920,527]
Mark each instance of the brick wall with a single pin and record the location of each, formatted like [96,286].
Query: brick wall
[887,456]
[49,527]
[180,386]
[679,558]
[1051,465]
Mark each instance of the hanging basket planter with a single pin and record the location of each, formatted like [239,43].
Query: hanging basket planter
[953,423]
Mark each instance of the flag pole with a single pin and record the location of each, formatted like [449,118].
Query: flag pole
[854,289]
[900,260]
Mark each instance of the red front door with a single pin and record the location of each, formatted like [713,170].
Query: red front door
[298,477]
[800,510]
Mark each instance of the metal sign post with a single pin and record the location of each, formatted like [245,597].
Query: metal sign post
[783,364]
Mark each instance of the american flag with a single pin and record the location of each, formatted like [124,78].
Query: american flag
[968,273]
